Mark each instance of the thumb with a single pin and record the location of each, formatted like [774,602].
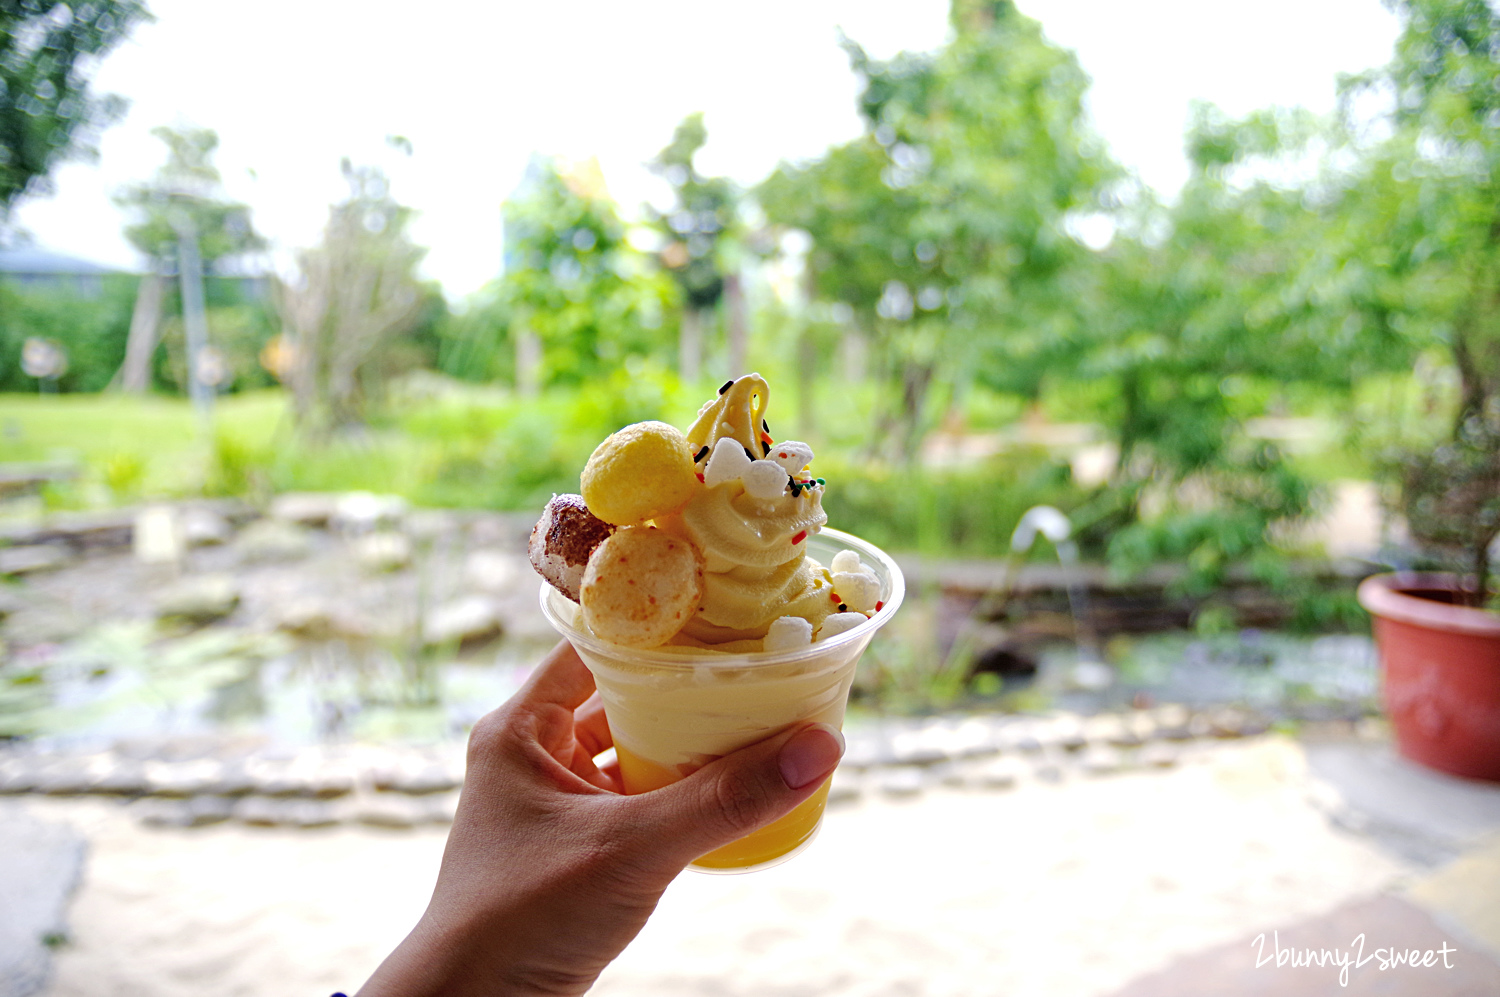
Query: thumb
[734,795]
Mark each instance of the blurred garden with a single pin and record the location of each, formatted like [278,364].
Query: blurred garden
[970,310]
[1146,462]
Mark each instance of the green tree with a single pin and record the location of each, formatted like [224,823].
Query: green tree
[703,247]
[47,111]
[89,324]
[1196,315]
[1418,227]
[575,299]
[945,229]
[352,313]
[187,187]
[1315,253]
[182,210]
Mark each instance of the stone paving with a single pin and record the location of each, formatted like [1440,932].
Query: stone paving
[192,782]
[1077,887]
[944,868]
[1067,852]
[41,863]
[1425,818]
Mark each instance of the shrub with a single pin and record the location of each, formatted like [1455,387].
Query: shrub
[968,512]
[92,328]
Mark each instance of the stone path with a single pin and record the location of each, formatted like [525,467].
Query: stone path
[203,780]
[1070,887]
[1342,965]
[40,865]
[1408,811]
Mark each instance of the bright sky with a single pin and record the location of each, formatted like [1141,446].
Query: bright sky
[292,86]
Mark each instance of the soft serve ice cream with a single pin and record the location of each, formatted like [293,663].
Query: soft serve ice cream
[698,540]
[706,623]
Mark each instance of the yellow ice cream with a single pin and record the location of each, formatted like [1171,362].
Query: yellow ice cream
[753,539]
[767,644]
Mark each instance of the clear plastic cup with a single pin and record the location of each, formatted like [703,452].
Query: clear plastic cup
[673,710]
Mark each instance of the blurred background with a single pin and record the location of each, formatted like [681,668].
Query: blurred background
[1140,334]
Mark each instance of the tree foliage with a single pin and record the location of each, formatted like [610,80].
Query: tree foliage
[1421,224]
[702,219]
[573,280]
[88,323]
[357,302]
[47,111]
[1320,253]
[945,227]
[1196,315]
[187,189]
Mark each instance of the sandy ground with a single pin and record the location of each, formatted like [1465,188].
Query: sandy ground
[1041,890]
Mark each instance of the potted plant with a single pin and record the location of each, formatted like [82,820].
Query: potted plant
[1439,645]
[1424,214]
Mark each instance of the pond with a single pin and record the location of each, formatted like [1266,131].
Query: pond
[123,680]
[314,628]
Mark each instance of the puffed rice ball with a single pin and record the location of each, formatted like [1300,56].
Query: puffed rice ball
[857,589]
[562,541]
[643,472]
[791,455]
[641,586]
[727,463]
[788,633]
[845,560]
[765,480]
[839,623]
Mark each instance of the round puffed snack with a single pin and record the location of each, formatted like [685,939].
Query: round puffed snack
[641,586]
[562,541]
[791,455]
[642,472]
[788,633]
[836,624]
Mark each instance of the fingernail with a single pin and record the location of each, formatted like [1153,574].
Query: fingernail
[810,755]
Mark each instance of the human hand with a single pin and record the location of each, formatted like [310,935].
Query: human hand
[549,870]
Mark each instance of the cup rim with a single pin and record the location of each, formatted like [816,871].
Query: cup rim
[745,659]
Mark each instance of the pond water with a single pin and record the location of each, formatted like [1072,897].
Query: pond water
[123,680]
[1277,674]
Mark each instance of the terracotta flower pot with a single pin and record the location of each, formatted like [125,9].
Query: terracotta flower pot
[1441,665]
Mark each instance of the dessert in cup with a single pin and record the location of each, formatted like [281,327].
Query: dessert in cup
[696,579]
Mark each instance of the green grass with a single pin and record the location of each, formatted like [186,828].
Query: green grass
[161,437]
[451,445]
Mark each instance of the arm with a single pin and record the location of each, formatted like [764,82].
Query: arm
[549,871]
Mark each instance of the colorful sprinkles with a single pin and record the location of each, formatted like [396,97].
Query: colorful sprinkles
[766,447]
[700,455]
[800,485]
[835,597]
[727,385]
[799,538]
[879,606]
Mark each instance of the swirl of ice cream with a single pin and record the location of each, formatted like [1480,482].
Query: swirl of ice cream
[751,522]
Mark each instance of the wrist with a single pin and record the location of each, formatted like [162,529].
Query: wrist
[432,959]
[453,957]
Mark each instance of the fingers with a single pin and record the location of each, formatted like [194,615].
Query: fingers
[611,771]
[590,726]
[561,678]
[734,795]
[582,765]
